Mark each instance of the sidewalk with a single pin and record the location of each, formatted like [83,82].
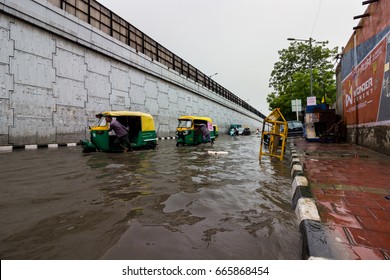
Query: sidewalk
[350,186]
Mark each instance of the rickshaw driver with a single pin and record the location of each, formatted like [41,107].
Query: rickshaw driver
[121,133]
[205,133]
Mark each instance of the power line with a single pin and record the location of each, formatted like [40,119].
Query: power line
[317,15]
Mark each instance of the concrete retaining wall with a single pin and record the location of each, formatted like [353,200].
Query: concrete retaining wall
[57,72]
[375,138]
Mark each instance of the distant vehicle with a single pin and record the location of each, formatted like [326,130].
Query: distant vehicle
[246,131]
[240,130]
[189,130]
[295,128]
[235,125]
[233,130]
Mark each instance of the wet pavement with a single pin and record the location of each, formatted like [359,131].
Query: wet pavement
[351,187]
[169,203]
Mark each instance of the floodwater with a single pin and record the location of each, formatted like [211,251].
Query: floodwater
[169,203]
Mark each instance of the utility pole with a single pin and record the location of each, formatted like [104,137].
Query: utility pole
[310,40]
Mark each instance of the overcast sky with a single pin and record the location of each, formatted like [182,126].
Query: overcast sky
[239,39]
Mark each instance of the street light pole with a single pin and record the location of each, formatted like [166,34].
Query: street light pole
[213,75]
[311,66]
[310,40]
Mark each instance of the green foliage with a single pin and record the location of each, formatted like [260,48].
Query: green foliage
[290,78]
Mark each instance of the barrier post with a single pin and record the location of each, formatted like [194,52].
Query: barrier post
[275,138]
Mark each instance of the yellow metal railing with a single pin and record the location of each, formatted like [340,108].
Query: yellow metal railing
[274,138]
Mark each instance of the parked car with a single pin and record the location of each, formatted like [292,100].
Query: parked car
[295,128]
[246,131]
[240,130]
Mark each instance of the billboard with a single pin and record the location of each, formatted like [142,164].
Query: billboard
[365,90]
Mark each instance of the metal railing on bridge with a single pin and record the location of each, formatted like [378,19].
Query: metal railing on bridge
[110,23]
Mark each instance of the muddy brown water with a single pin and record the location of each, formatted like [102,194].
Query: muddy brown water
[168,203]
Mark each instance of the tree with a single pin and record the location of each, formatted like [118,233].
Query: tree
[290,78]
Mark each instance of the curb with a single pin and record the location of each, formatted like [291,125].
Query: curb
[166,138]
[314,240]
[11,148]
[35,146]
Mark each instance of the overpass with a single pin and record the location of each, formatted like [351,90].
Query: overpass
[62,61]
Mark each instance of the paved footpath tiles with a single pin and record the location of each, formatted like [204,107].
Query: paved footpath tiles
[374,224]
[361,201]
[381,214]
[364,253]
[371,239]
[350,185]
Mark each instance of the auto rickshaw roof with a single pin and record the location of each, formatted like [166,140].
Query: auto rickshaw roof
[126,114]
[196,118]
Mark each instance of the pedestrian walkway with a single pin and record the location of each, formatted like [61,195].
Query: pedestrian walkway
[351,189]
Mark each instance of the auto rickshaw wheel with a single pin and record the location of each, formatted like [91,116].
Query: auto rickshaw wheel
[89,150]
[150,146]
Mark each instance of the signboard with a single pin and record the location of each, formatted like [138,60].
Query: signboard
[362,88]
[311,101]
[296,105]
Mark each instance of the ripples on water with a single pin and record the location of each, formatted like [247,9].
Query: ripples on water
[170,203]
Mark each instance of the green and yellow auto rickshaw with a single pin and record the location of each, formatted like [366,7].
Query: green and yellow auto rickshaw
[140,127]
[215,128]
[194,130]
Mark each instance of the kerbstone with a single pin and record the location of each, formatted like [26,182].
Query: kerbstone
[299,181]
[307,210]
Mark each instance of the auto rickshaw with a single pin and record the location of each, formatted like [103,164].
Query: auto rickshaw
[140,126]
[215,128]
[233,130]
[189,130]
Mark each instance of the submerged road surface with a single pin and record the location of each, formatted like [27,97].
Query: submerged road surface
[168,203]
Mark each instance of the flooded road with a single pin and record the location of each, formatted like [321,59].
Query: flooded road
[168,203]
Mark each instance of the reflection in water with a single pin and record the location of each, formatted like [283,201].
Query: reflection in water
[170,203]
